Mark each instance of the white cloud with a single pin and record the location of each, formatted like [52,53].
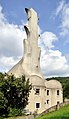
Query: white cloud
[7,62]
[65,20]
[11,42]
[2,17]
[63,11]
[11,39]
[48,38]
[60,7]
[53,63]
[39,30]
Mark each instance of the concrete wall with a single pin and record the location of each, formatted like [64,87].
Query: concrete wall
[54,108]
[30,67]
[37,98]
[42,98]
[26,117]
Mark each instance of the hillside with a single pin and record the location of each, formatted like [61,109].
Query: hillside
[62,113]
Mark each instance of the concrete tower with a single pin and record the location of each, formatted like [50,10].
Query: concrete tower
[30,63]
[44,94]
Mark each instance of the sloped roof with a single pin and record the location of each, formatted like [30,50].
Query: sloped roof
[53,84]
[17,69]
[37,80]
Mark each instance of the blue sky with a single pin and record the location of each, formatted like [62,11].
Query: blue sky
[53,28]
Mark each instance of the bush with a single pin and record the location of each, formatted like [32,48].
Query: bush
[15,112]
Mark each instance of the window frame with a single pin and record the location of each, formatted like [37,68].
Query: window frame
[47,101]
[37,105]
[37,91]
[58,92]
[48,92]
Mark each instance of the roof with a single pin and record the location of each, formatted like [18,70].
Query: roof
[53,84]
[37,80]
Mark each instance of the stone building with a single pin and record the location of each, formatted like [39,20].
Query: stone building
[44,94]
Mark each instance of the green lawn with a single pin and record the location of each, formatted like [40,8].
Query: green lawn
[62,113]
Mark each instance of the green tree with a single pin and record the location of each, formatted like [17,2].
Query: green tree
[14,91]
[3,104]
[66,89]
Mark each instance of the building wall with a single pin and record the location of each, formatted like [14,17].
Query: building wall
[56,98]
[37,98]
[53,97]
[46,101]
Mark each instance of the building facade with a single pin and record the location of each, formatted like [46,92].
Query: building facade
[44,94]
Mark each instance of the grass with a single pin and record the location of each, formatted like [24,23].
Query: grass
[62,113]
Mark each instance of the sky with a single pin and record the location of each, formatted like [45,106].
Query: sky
[53,28]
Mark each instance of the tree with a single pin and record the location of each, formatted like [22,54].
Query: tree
[66,89]
[3,104]
[15,91]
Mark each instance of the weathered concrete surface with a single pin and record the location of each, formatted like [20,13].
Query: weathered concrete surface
[26,117]
[30,63]
[29,66]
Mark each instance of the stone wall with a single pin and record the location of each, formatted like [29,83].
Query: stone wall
[26,117]
[54,108]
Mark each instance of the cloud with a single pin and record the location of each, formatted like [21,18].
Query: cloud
[11,42]
[53,63]
[2,17]
[48,38]
[11,37]
[63,12]
[60,7]
[7,62]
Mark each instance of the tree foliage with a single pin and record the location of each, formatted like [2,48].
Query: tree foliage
[14,93]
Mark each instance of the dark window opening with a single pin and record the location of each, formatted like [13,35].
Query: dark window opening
[37,105]
[37,91]
[47,92]
[47,101]
[58,102]
[57,92]
[36,66]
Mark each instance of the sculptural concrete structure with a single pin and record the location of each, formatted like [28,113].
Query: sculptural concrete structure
[44,94]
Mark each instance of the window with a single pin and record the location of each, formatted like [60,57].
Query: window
[37,105]
[47,92]
[47,101]
[57,92]
[37,91]
[58,102]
